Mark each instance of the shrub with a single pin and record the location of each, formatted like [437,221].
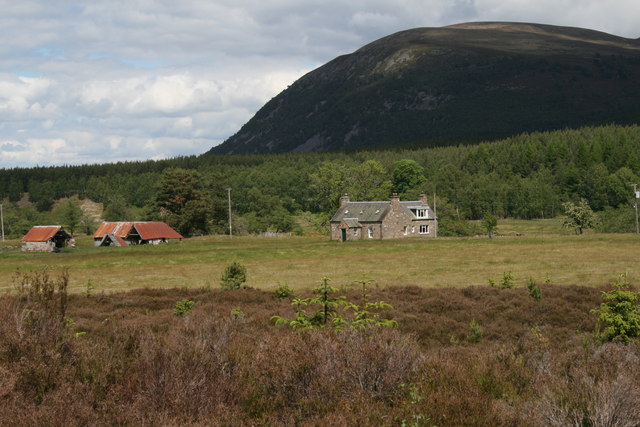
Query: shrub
[507,280]
[183,307]
[534,290]
[237,313]
[619,314]
[476,332]
[283,291]
[490,224]
[234,276]
[335,311]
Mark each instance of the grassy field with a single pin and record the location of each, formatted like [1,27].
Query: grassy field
[537,249]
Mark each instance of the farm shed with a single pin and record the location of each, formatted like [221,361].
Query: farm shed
[133,233]
[45,238]
[391,219]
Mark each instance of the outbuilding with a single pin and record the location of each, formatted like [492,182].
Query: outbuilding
[134,233]
[46,238]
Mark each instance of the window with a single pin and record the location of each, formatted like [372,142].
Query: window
[370,230]
[406,229]
[422,213]
[355,232]
[424,229]
[413,228]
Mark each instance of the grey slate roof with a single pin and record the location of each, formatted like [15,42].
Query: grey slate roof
[374,211]
[416,204]
[362,211]
[352,222]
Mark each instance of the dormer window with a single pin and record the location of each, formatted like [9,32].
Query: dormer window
[346,211]
[422,213]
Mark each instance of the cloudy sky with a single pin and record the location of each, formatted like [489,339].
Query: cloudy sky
[98,81]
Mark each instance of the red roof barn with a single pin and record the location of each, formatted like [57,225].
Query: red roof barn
[133,233]
[45,238]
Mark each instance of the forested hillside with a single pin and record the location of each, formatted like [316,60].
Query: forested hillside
[526,176]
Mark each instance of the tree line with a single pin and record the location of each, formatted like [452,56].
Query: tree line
[526,176]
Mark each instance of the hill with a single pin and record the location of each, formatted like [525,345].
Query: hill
[437,86]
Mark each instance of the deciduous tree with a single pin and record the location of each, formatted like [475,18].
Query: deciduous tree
[579,216]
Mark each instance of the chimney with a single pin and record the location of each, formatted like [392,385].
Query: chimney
[344,200]
[423,199]
[395,199]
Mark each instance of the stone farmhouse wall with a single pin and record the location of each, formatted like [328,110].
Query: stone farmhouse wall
[395,225]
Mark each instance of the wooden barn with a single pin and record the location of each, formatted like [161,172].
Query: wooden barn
[134,233]
[46,238]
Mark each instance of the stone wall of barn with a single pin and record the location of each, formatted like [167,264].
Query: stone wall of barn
[38,246]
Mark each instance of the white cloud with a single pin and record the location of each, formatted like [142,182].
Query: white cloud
[112,80]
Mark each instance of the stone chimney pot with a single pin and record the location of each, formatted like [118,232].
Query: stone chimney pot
[344,200]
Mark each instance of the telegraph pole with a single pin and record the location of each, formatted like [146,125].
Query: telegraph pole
[2,221]
[230,228]
[635,204]
[435,214]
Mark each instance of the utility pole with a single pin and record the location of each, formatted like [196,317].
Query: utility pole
[435,215]
[230,228]
[636,196]
[2,221]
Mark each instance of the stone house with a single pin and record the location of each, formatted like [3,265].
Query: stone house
[134,233]
[391,219]
[46,238]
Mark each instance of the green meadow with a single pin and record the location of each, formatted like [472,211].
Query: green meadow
[537,249]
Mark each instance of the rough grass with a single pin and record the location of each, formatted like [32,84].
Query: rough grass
[527,248]
[126,359]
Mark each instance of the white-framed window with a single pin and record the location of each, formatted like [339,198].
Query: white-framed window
[406,230]
[370,231]
[355,231]
[424,229]
[422,213]
[413,229]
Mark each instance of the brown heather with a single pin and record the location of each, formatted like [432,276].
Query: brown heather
[139,364]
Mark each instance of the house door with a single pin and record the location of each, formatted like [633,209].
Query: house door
[344,234]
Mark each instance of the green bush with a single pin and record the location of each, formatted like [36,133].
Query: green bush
[619,314]
[507,281]
[476,332]
[325,310]
[237,313]
[183,307]
[534,289]
[283,291]
[234,276]
[620,220]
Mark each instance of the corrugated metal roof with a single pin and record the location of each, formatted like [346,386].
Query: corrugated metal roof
[147,230]
[121,241]
[41,233]
[119,229]
[156,230]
